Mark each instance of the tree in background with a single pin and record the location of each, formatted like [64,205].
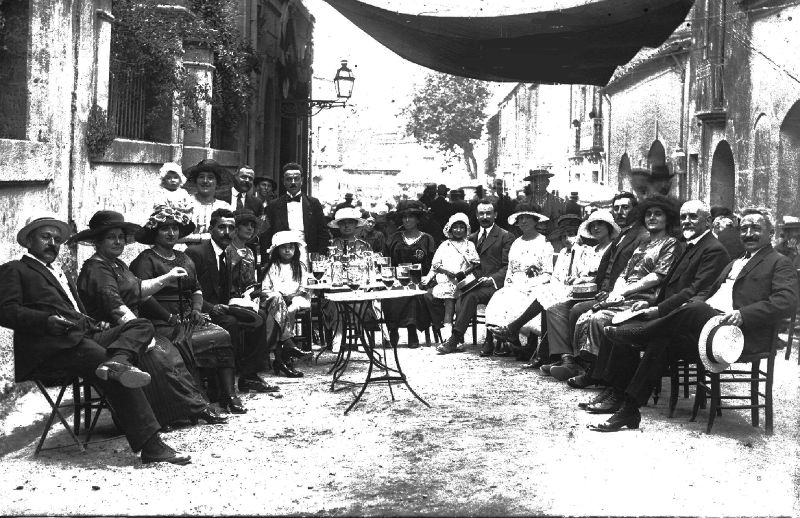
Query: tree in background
[449,112]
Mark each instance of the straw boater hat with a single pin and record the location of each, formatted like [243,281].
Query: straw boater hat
[34,222]
[347,213]
[719,345]
[537,173]
[101,222]
[599,215]
[164,215]
[527,209]
[458,217]
[285,237]
[206,165]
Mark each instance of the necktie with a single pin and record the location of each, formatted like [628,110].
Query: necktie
[240,201]
[482,238]
[224,278]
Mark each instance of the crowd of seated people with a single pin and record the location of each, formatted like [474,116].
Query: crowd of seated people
[167,337]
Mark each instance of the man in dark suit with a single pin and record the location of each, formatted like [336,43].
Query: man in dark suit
[54,339]
[561,319]
[239,195]
[691,275]
[213,273]
[296,211]
[493,244]
[753,292]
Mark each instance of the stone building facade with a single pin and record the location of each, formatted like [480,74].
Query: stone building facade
[55,65]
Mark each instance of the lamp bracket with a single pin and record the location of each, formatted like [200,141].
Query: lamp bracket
[296,108]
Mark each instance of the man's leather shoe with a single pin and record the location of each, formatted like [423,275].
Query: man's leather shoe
[155,450]
[208,415]
[581,381]
[293,351]
[449,346]
[628,416]
[256,385]
[126,375]
[487,349]
[234,406]
[599,398]
[566,370]
[609,405]
[282,368]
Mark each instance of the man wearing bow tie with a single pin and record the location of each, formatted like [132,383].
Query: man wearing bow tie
[296,211]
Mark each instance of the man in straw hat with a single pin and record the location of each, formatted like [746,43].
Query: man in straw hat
[752,293]
[53,337]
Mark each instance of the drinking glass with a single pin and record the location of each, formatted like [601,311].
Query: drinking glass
[354,277]
[382,262]
[387,276]
[318,268]
[402,274]
[416,274]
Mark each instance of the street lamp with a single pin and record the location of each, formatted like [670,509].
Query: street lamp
[343,81]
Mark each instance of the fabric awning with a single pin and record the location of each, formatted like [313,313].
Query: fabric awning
[580,45]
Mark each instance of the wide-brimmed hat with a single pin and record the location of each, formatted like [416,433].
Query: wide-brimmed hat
[347,213]
[537,173]
[531,210]
[170,167]
[790,222]
[206,165]
[241,216]
[719,345]
[458,217]
[285,237]
[603,215]
[40,220]
[565,224]
[410,207]
[669,204]
[164,215]
[101,222]
[258,179]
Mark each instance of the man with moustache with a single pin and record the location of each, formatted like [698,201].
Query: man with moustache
[239,195]
[493,244]
[692,275]
[214,275]
[53,337]
[753,292]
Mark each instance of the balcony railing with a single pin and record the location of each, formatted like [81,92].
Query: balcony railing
[127,103]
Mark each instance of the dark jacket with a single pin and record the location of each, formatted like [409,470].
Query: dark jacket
[764,292]
[494,254]
[205,261]
[314,225]
[617,256]
[29,294]
[692,274]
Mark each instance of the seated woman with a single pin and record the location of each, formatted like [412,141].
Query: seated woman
[409,245]
[282,296]
[640,280]
[182,301]
[454,256]
[348,221]
[241,254]
[530,265]
[112,293]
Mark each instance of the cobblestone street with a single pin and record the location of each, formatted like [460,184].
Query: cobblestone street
[498,440]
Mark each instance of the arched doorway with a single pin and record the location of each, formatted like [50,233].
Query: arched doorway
[723,177]
[789,163]
[624,173]
[656,155]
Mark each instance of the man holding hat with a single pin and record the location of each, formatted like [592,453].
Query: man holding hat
[551,206]
[752,293]
[53,337]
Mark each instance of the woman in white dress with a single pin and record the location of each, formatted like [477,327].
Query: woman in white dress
[530,265]
[206,176]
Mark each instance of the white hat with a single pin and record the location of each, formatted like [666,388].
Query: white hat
[458,217]
[34,222]
[347,213]
[540,218]
[170,167]
[285,237]
[719,344]
[603,215]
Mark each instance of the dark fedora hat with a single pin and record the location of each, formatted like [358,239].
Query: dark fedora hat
[258,179]
[207,165]
[101,222]
[164,215]
[537,173]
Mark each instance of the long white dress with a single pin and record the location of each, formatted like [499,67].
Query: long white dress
[580,261]
[454,256]
[530,265]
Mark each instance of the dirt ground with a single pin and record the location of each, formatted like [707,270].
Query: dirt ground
[498,440]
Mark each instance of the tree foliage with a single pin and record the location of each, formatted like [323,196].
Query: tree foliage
[448,112]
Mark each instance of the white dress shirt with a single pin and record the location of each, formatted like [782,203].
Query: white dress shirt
[294,215]
[722,299]
[58,273]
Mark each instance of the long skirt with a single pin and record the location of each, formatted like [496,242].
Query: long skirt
[172,392]
[409,311]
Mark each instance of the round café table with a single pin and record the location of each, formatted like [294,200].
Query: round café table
[353,307]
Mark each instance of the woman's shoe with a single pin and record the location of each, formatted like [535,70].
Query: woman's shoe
[282,368]
[233,406]
[209,416]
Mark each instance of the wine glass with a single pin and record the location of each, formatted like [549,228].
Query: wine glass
[318,268]
[415,273]
[387,276]
[382,262]
[402,274]
[354,279]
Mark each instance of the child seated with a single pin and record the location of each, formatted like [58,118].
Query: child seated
[173,194]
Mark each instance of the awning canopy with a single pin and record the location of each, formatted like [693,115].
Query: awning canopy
[581,44]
